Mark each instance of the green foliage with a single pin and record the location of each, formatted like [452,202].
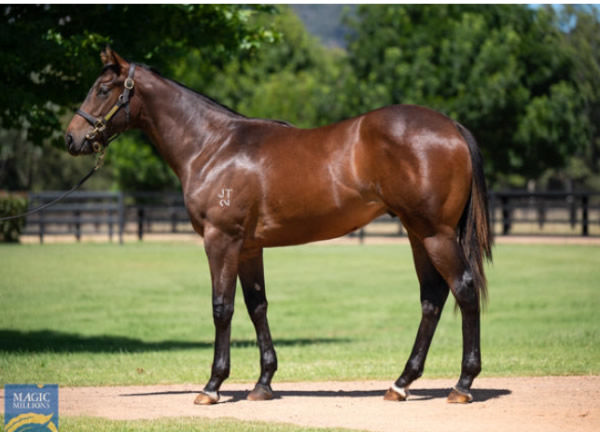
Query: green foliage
[136,165]
[549,121]
[49,53]
[16,161]
[26,167]
[582,40]
[11,205]
[93,314]
[501,70]
[295,80]
[49,56]
[524,80]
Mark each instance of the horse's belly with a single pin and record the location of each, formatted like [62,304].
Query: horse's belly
[315,226]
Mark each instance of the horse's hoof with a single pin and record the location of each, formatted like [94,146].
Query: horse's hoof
[395,394]
[457,396]
[207,398]
[260,393]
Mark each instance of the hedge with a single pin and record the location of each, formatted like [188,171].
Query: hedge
[11,205]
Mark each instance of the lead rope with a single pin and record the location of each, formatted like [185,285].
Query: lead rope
[99,163]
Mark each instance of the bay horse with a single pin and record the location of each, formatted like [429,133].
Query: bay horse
[251,183]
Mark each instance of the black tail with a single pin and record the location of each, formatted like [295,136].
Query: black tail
[474,231]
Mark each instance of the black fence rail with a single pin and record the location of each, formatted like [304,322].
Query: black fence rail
[81,213]
[156,212]
[118,214]
[545,213]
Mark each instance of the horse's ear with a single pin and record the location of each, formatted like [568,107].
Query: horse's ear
[110,57]
[106,56]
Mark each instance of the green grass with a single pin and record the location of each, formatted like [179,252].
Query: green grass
[102,314]
[92,424]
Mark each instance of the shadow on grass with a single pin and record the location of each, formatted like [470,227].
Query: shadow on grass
[479,395]
[58,342]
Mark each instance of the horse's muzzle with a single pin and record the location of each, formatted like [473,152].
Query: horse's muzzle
[85,147]
[69,141]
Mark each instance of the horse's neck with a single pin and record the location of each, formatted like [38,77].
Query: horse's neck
[183,125]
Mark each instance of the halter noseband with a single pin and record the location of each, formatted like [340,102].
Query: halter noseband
[101,123]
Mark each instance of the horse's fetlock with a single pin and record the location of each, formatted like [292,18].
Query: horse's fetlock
[472,365]
[269,361]
[221,370]
[413,369]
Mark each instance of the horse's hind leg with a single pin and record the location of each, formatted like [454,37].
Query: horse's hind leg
[434,291]
[448,258]
[252,277]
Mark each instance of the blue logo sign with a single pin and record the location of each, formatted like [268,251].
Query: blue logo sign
[31,408]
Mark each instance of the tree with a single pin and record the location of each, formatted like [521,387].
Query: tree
[293,79]
[583,42]
[501,70]
[49,53]
[296,79]
[136,165]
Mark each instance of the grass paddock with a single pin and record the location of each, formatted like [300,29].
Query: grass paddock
[94,424]
[102,314]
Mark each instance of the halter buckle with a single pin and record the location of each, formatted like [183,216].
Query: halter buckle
[99,126]
[97,147]
[129,83]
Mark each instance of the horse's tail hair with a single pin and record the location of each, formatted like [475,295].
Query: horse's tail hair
[474,230]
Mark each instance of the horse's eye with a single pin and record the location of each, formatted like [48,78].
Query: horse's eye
[103,90]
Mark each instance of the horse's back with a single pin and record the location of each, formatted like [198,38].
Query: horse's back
[333,179]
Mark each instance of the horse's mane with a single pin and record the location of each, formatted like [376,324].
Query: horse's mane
[207,99]
[215,104]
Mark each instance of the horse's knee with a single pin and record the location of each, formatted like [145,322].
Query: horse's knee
[430,310]
[222,314]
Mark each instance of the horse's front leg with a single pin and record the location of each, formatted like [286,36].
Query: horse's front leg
[253,283]
[223,258]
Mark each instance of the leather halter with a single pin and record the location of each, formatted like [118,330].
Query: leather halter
[101,123]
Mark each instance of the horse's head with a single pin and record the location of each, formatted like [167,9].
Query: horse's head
[105,110]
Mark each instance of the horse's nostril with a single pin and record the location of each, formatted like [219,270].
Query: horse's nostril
[69,139]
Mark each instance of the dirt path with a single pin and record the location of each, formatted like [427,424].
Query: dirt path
[501,404]
[369,240]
